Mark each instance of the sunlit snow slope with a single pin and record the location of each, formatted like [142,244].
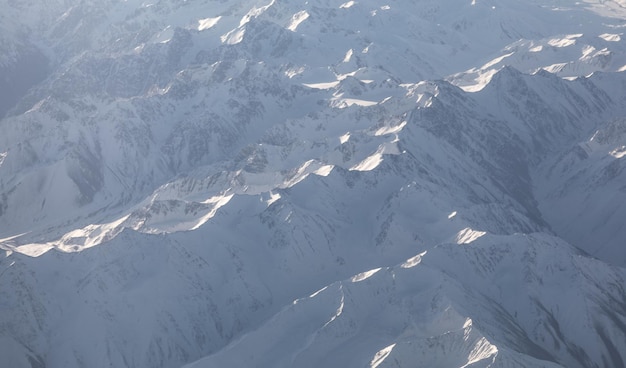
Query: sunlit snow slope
[297,183]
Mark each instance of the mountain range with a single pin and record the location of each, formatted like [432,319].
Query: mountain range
[274,183]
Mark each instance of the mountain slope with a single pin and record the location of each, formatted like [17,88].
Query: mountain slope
[480,304]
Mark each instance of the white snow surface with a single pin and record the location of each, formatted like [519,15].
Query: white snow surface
[278,183]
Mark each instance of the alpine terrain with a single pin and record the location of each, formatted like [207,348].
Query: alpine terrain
[290,183]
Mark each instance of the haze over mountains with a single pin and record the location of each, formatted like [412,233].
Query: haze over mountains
[301,184]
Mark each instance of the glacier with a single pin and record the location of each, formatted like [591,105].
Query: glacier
[278,183]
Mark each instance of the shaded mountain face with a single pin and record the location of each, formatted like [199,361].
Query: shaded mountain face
[291,183]
[29,68]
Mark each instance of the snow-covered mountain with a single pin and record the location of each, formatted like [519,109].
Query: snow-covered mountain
[290,183]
